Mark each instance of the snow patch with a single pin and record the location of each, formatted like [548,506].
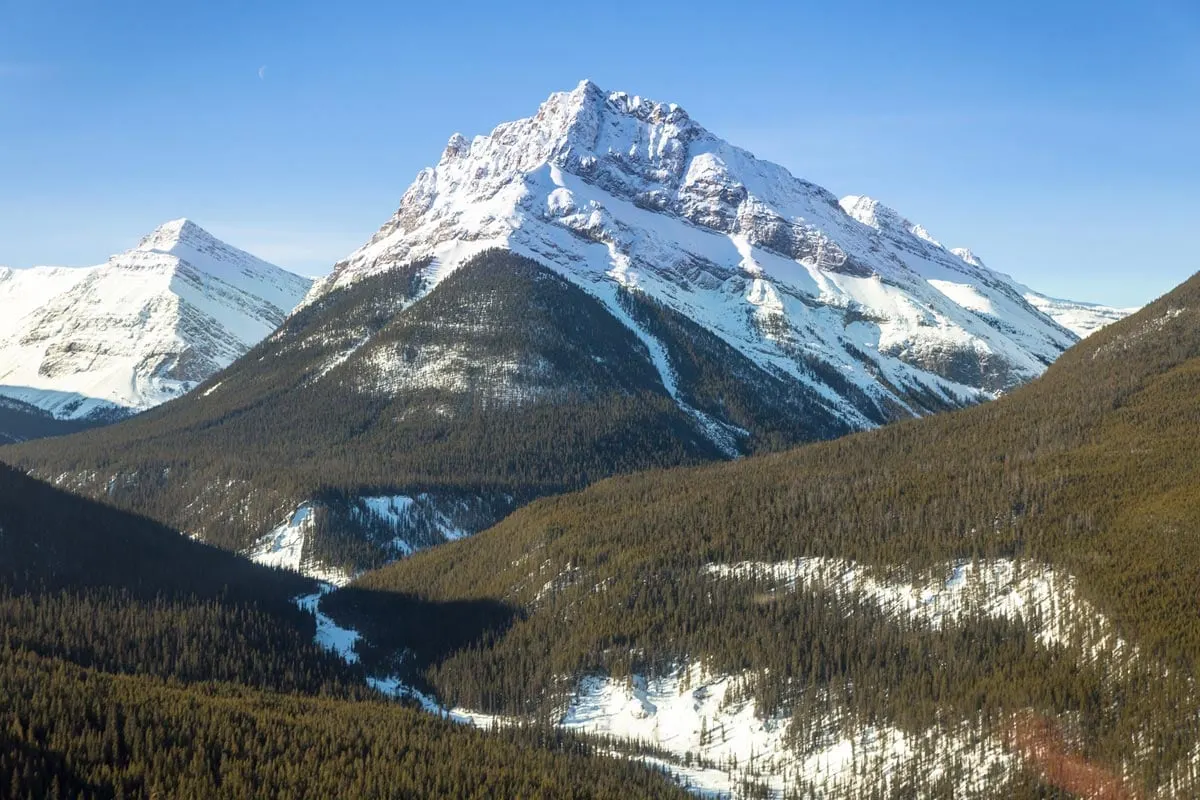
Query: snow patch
[283,547]
[719,741]
[330,635]
[1044,599]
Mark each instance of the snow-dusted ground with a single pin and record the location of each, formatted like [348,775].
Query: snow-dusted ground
[1043,598]
[283,547]
[403,512]
[719,741]
[708,731]
[329,634]
[147,326]
[415,521]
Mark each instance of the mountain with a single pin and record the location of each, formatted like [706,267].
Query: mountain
[601,288]
[102,342]
[994,603]
[1082,319]
[138,663]
[620,193]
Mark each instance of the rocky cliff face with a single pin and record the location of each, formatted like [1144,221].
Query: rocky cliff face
[144,327]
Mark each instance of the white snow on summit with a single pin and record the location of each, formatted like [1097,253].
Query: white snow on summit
[146,326]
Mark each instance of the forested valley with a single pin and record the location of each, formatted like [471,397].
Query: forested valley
[137,663]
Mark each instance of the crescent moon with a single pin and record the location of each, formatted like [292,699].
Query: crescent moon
[262,72]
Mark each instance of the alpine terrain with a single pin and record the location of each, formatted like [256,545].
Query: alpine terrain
[89,345]
[668,468]
[600,288]
[1082,319]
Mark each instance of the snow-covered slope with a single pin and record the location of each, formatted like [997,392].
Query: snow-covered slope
[615,191]
[1082,319]
[399,525]
[144,327]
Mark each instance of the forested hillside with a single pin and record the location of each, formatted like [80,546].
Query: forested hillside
[77,733]
[137,663]
[1049,543]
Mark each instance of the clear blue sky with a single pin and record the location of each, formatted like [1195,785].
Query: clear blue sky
[1056,139]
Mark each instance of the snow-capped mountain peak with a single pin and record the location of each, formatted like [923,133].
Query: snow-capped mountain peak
[968,256]
[146,326]
[870,211]
[170,234]
[187,241]
[620,193]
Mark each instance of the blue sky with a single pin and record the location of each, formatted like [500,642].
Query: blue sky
[1056,139]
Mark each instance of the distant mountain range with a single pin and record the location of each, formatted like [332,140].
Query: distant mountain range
[1082,319]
